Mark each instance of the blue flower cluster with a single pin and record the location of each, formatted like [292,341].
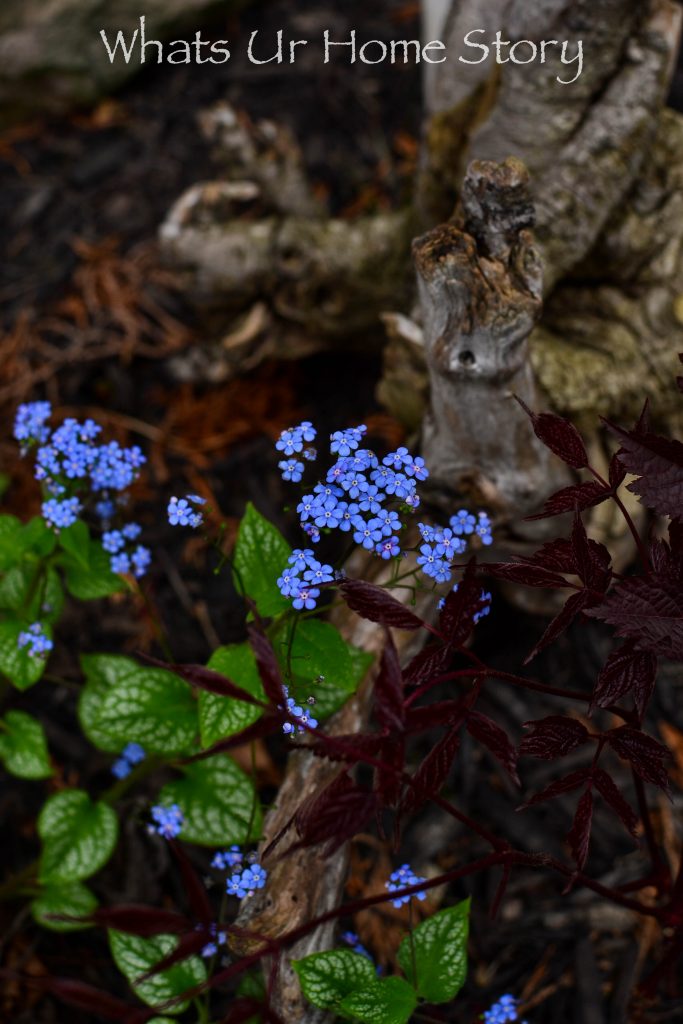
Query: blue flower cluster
[131,755]
[35,639]
[73,467]
[304,717]
[302,577]
[125,556]
[441,544]
[503,1011]
[183,511]
[218,938]
[352,940]
[228,859]
[169,820]
[401,879]
[245,881]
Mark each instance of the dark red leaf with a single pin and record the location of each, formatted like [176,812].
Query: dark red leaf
[611,794]
[555,555]
[389,784]
[144,921]
[572,607]
[553,737]
[490,734]
[580,496]
[560,436]
[579,835]
[648,610]
[617,473]
[457,618]
[431,661]
[352,748]
[86,997]
[592,559]
[205,679]
[445,712]
[377,605]
[625,671]
[267,665]
[564,785]
[431,776]
[526,573]
[388,691]
[658,463]
[335,813]
[643,752]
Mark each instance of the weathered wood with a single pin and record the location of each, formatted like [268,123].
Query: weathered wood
[480,285]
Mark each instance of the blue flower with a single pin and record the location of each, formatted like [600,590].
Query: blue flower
[416,467]
[244,883]
[317,573]
[483,529]
[312,531]
[432,564]
[306,507]
[113,541]
[367,534]
[292,470]
[347,513]
[390,522]
[120,563]
[370,501]
[354,483]
[29,423]
[169,820]
[61,514]
[328,514]
[289,584]
[463,522]
[120,768]
[352,940]
[388,548]
[478,616]
[141,559]
[35,639]
[228,859]
[343,442]
[133,753]
[398,459]
[446,544]
[181,511]
[306,597]
[502,1012]
[303,717]
[291,441]
[402,879]
[131,531]
[427,532]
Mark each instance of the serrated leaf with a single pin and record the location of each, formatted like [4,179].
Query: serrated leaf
[643,752]
[388,690]
[436,964]
[218,801]
[377,605]
[260,555]
[579,496]
[385,1001]
[625,671]
[224,716]
[495,739]
[322,664]
[432,774]
[611,794]
[560,436]
[658,464]
[20,667]
[335,813]
[23,747]
[552,737]
[327,978]
[78,836]
[123,702]
[647,610]
[134,956]
[74,900]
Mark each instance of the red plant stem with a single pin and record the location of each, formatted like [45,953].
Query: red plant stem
[642,550]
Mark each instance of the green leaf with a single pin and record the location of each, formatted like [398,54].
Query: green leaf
[134,956]
[323,665]
[327,978]
[10,550]
[440,945]
[123,702]
[88,576]
[78,836]
[75,540]
[223,716]
[23,747]
[75,900]
[216,798]
[387,1001]
[21,668]
[38,537]
[261,553]
[38,600]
